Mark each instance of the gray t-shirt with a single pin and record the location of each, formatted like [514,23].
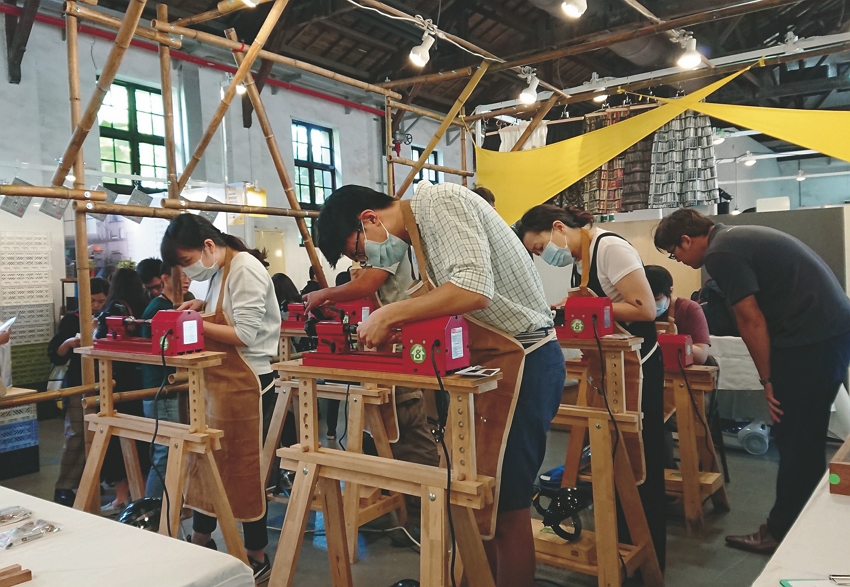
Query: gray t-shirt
[797,292]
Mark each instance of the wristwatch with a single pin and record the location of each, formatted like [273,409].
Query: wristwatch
[764,382]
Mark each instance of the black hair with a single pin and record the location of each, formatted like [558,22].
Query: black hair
[343,278]
[684,222]
[284,290]
[542,217]
[340,217]
[312,273]
[99,286]
[660,280]
[149,269]
[127,289]
[189,231]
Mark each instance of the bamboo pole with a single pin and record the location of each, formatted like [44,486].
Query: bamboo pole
[464,95]
[535,122]
[430,78]
[122,210]
[464,181]
[107,76]
[280,166]
[389,143]
[178,377]
[237,209]
[238,78]
[170,151]
[237,46]
[517,110]
[46,396]
[97,17]
[59,193]
[72,40]
[442,168]
[223,7]
[128,396]
[418,110]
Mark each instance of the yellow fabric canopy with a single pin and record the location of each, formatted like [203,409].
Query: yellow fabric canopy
[523,179]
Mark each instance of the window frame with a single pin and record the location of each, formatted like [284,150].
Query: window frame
[134,138]
[313,167]
[433,159]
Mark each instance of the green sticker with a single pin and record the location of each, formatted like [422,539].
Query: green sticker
[163,342]
[577,326]
[417,353]
[834,479]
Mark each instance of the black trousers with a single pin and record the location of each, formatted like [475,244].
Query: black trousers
[255,533]
[805,381]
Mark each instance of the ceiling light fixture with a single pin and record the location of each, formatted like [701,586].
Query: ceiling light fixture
[249,3]
[600,98]
[749,160]
[574,8]
[241,89]
[719,137]
[419,55]
[691,58]
[801,176]
[529,94]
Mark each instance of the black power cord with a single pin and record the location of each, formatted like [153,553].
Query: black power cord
[696,409]
[162,344]
[440,433]
[345,430]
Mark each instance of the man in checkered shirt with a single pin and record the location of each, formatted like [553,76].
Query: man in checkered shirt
[481,268]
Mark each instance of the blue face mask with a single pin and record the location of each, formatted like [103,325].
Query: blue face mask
[387,253]
[555,255]
[661,306]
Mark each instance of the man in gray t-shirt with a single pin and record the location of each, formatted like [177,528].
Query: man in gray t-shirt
[795,320]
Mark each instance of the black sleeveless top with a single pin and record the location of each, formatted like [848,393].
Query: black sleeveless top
[645,330]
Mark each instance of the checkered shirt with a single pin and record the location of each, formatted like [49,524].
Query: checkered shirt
[468,244]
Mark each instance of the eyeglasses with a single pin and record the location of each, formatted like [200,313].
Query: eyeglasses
[672,256]
[357,254]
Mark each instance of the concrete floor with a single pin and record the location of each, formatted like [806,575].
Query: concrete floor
[691,562]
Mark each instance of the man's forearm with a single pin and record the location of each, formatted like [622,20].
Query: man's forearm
[757,339]
[446,300]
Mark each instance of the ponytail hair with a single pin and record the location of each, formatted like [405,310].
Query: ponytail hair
[542,217]
[189,231]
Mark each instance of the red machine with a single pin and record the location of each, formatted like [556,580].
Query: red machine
[579,315]
[674,346]
[297,317]
[175,333]
[447,337]
[348,312]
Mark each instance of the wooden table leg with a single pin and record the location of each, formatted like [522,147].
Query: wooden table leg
[688,458]
[356,423]
[708,454]
[433,567]
[133,468]
[335,532]
[575,445]
[278,420]
[469,545]
[175,477]
[604,510]
[88,493]
[382,444]
[223,511]
[294,524]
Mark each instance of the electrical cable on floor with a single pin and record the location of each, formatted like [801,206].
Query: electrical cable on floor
[162,344]
[441,431]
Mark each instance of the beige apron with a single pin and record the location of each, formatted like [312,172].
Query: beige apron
[631,365]
[233,400]
[494,410]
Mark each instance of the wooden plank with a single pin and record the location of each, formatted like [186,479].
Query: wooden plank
[133,469]
[709,482]
[146,426]
[15,577]
[604,509]
[338,391]
[294,524]
[470,547]
[88,493]
[199,360]
[356,424]
[175,479]
[433,570]
[281,407]
[578,415]
[609,343]
[308,415]
[375,425]
[688,458]
[582,551]
[335,531]
[223,512]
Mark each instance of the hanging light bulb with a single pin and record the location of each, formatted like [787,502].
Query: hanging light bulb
[241,89]
[529,94]
[574,8]
[71,177]
[735,212]
[801,176]
[749,160]
[419,55]
[718,138]
[600,98]
[249,3]
[691,58]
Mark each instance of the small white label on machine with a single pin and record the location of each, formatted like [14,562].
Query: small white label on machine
[190,332]
[457,342]
[364,312]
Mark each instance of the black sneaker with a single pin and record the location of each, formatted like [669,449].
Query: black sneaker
[64,497]
[211,544]
[262,570]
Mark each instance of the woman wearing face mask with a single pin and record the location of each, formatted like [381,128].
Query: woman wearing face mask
[563,237]
[244,324]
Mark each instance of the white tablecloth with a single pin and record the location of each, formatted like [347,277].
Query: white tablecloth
[92,551]
[816,546]
[737,370]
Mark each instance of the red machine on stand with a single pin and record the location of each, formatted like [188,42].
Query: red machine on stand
[348,312]
[584,318]
[172,333]
[677,350]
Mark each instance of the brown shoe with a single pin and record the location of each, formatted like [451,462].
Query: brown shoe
[761,542]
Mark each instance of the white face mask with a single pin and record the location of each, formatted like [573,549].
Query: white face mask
[197,271]
[661,306]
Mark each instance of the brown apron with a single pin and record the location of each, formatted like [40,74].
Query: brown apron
[494,410]
[233,400]
[631,365]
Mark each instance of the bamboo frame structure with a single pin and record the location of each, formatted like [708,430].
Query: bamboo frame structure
[535,122]
[389,143]
[239,47]
[81,209]
[452,113]
[418,110]
[238,79]
[107,76]
[463,165]
[46,396]
[280,166]
[74,9]
[128,396]
[223,7]
[442,168]
[58,193]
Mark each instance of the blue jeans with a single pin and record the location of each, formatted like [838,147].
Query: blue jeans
[168,410]
[539,398]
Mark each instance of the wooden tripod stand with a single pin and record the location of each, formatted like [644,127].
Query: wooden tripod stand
[316,466]
[180,439]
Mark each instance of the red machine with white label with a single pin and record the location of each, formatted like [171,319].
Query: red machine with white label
[444,341]
[297,317]
[676,347]
[584,318]
[172,332]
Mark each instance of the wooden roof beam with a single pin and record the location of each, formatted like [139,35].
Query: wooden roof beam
[17,44]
